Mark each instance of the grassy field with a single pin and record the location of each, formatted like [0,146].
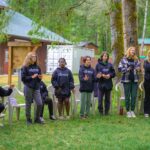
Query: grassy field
[111,132]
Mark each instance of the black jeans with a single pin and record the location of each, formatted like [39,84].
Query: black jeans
[2,107]
[101,94]
[147,98]
[49,103]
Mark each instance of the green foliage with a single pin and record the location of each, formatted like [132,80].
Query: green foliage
[3,22]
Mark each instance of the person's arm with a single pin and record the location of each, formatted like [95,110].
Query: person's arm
[54,79]
[24,75]
[39,77]
[112,72]
[4,92]
[81,75]
[123,67]
[71,80]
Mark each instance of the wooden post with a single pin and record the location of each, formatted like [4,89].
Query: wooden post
[10,65]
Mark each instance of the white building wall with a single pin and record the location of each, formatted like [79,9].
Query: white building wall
[71,53]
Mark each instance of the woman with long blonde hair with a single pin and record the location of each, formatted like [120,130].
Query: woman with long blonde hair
[130,66]
[31,77]
[147,85]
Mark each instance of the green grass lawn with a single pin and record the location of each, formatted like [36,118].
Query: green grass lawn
[111,132]
[108,132]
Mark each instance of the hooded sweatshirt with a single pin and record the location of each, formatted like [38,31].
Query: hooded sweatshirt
[86,85]
[105,68]
[62,78]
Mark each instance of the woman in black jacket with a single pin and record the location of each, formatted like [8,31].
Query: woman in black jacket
[31,77]
[104,73]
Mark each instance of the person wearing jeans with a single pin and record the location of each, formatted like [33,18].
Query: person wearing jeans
[130,66]
[86,78]
[31,77]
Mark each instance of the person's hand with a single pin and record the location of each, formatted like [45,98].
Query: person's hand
[99,75]
[73,91]
[107,76]
[138,69]
[86,78]
[129,68]
[34,76]
[40,76]
[11,86]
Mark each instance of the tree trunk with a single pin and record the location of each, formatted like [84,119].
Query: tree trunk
[116,34]
[144,28]
[130,24]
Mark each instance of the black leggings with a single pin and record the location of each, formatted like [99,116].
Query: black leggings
[2,107]
[49,102]
[147,98]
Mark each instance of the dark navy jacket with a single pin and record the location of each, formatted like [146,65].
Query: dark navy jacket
[62,78]
[26,76]
[4,92]
[86,86]
[147,71]
[43,91]
[105,69]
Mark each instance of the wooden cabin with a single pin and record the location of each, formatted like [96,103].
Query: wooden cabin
[18,29]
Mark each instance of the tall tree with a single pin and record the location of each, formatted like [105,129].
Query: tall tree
[130,24]
[116,34]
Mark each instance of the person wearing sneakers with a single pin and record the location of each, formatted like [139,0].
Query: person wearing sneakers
[86,78]
[63,82]
[4,92]
[46,100]
[31,77]
[147,85]
[130,67]
[104,74]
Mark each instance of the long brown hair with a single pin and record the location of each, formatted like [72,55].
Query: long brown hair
[28,59]
[101,56]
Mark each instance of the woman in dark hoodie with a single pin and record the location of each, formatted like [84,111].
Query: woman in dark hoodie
[147,85]
[63,82]
[104,74]
[31,77]
[86,78]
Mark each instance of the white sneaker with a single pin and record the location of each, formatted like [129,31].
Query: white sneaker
[41,118]
[146,115]
[133,114]
[61,117]
[129,114]
[67,117]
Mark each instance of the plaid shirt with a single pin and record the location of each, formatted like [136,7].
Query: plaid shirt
[123,67]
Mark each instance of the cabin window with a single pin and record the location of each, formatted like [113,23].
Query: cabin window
[6,56]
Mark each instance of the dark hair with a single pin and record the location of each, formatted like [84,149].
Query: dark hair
[63,60]
[85,58]
[101,56]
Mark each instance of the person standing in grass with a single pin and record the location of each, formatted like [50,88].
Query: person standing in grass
[130,67]
[147,85]
[63,82]
[104,74]
[31,77]
[46,100]
[87,79]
